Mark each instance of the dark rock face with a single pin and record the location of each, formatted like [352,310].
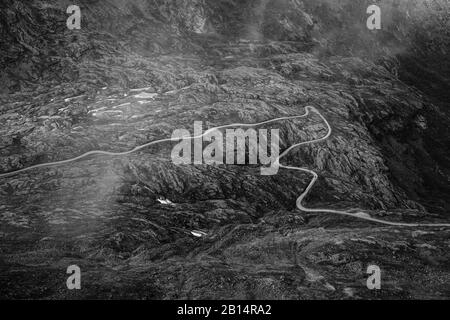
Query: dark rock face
[66,92]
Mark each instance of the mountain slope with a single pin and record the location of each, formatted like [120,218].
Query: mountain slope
[137,70]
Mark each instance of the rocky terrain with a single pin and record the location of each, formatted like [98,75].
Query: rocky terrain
[137,70]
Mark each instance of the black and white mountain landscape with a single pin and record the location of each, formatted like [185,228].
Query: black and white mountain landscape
[82,183]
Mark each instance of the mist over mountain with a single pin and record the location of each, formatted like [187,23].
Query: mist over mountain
[138,70]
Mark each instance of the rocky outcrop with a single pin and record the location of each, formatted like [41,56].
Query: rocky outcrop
[137,70]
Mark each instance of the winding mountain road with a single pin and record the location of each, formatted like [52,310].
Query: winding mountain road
[358,215]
